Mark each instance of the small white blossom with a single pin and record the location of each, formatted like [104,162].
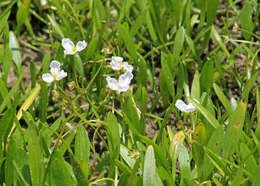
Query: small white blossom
[43,2]
[117,64]
[122,84]
[70,48]
[184,107]
[55,73]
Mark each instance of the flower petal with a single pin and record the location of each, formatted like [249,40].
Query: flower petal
[117,59]
[183,107]
[190,108]
[47,78]
[115,65]
[55,66]
[112,83]
[81,45]
[67,45]
[61,75]
[125,78]
[43,2]
[123,88]
[127,67]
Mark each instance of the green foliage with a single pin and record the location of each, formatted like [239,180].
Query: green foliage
[77,131]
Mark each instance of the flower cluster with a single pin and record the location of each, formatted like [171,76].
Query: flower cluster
[124,80]
[121,84]
[55,73]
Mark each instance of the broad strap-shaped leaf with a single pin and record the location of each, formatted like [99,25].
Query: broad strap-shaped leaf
[149,174]
[16,50]
[195,87]
[60,173]
[6,123]
[207,76]
[36,160]
[246,20]
[113,136]
[233,132]
[222,98]
[178,44]
[82,149]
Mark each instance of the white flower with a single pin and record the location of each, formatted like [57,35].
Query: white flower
[184,107]
[43,2]
[55,73]
[70,48]
[117,63]
[122,84]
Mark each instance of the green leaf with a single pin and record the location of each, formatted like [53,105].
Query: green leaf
[44,89]
[166,80]
[191,45]
[113,136]
[150,27]
[82,149]
[6,62]
[167,74]
[91,49]
[207,76]
[22,13]
[4,17]
[6,123]
[141,75]
[139,22]
[149,174]
[133,113]
[222,98]
[233,132]
[217,161]
[215,144]
[200,137]
[124,153]
[178,44]
[195,87]
[238,178]
[246,20]
[257,130]
[128,40]
[210,118]
[256,177]
[78,65]
[35,156]
[249,85]
[184,160]
[60,174]
[218,40]
[249,161]
[212,7]
[10,175]
[178,11]
[164,88]
[16,50]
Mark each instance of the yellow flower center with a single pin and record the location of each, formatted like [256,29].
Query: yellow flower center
[120,63]
[54,76]
[74,49]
